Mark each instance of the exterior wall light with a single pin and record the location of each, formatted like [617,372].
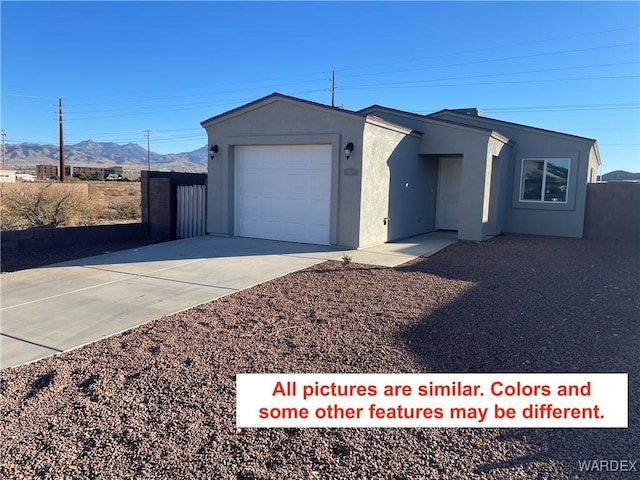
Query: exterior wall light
[348,150]
[212,151]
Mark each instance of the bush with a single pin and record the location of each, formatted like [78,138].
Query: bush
[121,210]
[49,204]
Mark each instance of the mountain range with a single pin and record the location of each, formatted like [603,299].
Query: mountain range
[133,156]
[621,176]
[103,154]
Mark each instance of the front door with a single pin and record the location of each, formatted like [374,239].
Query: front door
[449,195]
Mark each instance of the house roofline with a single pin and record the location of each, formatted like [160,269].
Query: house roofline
[428,119]
[381,122]
[272,98]
[504,122]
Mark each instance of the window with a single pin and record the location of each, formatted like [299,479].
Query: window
[544,180]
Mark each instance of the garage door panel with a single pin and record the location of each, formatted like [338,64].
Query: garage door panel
[297,182]
[297,208]
[320,183]
[298,230]
[271,180]
[251,179]
[318,206]
[293,160]
[283,192]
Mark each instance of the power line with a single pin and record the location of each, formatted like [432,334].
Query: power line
[412,60]
[347,87]
[510,82]
[195,106]
[216,92]
[485,75]
[465,52]
[478,62]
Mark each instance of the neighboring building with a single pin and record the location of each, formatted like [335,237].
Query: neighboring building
[7,174]
[279,171]
[45,172]
[114,173]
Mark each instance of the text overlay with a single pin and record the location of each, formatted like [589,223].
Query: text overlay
[487,400]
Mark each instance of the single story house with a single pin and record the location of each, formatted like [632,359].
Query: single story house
[283,168]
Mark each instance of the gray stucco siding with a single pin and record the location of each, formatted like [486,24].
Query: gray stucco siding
[388,188]
[393,184]
[544,218]
[409,120]
[281,122]
[549,218]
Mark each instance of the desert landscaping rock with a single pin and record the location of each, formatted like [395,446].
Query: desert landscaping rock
[158,401]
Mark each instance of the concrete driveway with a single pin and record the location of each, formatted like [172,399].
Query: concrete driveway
[57,308]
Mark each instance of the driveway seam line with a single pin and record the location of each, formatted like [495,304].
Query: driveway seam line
[128,274]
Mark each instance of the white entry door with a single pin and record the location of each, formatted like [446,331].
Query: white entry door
[449,194]
[283,192]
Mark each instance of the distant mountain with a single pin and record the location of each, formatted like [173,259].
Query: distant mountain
[101,154]
[621,176]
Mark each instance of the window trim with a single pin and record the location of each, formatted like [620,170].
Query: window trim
[542,201]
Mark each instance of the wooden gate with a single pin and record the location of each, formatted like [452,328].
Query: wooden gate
[191,218]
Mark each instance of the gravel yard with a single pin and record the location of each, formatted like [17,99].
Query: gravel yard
[158,402]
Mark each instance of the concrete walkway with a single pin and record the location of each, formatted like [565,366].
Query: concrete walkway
[57,308]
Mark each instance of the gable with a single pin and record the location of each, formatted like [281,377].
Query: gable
[279,99]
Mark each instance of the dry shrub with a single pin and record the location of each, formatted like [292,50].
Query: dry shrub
[125,209]
[43,204]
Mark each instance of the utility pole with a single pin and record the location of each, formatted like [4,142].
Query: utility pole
[62,172]
[333,88]
[4,136]
[147,133]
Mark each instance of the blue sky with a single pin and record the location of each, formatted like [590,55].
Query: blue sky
[125,67]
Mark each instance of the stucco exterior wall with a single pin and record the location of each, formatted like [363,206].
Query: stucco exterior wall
[477,154]
[542,218]
[500,188]
[497,186]
[549,218]
[393,182]
[282,122]
[594,165]
[387,189]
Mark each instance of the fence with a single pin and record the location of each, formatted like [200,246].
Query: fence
[192,200]
[613,211]
[39,239]
[160,202]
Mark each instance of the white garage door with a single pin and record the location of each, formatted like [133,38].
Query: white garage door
[283,192]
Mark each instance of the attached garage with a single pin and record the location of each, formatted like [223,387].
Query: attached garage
[283,192]
[288,169]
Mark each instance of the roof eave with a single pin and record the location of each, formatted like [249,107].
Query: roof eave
[270,99]
[519,125]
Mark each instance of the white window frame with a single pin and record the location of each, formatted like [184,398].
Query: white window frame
[544,181]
